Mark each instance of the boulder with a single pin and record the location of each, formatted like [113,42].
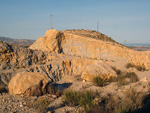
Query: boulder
[28,83]
[99,69]
[88,68]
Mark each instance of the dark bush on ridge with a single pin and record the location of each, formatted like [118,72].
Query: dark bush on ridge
[126,78]
[139,68]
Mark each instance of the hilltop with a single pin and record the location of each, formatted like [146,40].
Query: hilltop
[91,33]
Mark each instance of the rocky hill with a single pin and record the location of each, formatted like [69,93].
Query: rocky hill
[81,44]
[21,42]
[14,59]
[70,66]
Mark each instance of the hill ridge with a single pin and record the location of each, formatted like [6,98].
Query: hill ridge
[91,34]
[21,42]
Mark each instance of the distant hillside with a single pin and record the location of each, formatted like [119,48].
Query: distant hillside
[21,42]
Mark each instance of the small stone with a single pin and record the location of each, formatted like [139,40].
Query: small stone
[3,100]
[54,96]
[24,103]
[83,81]
[127,87]
[21,105]
[144,79]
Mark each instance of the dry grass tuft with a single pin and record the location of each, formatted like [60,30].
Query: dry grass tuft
[40,104]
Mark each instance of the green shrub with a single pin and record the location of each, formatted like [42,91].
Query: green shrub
[132,77]
[129,65]
[118,71]
[99,81]
[126,78]
[71,97]
[41,104]
[138,67]
[121,81]
[86,101]
[133,100]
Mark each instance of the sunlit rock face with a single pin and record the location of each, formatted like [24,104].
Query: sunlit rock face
[84,46]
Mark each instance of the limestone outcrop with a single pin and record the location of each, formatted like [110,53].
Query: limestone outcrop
[28,83]
[46,43]
[84,46]
[71,44]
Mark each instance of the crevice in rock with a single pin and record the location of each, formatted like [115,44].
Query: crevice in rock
[60,37]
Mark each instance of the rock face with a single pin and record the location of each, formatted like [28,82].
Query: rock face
[71,44]
[88,68]
[21,57]
[28,83]
[46,43]
[84,46]
[14,59]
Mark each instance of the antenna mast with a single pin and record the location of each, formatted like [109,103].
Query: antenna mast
[97,26]
[51,22]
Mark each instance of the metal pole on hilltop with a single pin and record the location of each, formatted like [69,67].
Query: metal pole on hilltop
[125,42]
[51,22]
[97,26]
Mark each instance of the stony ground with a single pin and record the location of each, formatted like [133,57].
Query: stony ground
[33,104]
[14,104]
[53,104]
[47,103]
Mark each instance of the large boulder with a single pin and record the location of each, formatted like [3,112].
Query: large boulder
[88,69]
[28,83]
[100,69]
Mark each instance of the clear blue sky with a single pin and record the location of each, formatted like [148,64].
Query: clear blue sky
[120,19]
